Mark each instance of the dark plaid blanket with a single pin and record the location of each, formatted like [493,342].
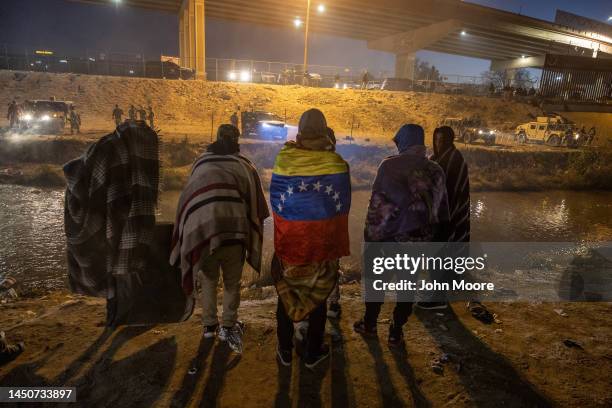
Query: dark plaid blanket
[110,205]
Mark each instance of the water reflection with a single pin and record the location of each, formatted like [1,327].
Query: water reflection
[33,244]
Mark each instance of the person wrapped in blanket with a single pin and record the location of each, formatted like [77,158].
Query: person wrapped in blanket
[109,216]
[310,195]
[219,224]
[408,204]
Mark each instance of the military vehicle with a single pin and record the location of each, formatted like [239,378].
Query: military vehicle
[263,125]
[552,130]
[44,116]
[470,130]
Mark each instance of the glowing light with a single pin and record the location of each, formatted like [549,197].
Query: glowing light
[45,118]
[463,32]
[27,117]
[523,56]
[297,22]
[63,61]
[321,8]
[245,76]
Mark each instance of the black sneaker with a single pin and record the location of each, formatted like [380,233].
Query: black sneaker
[210,331]
[312,360]
[396,336]
[361,328]
[334,311]
[284,356]
[432,305]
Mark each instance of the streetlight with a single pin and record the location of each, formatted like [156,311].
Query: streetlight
[298,23]
[305,65]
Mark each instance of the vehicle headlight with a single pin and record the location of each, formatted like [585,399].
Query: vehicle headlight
[337,86]
[492,132]
[45,118]
[480,132]
[27,117]
[576,136]
[345,86]
[245,76]
[231,76]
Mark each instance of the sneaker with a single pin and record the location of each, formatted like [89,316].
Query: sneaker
[361,328]
[301,329]
[396,336]
[284,356]
[313,360]
[334,311]
[233,336]
[432,305]
[9,352]
[210,331]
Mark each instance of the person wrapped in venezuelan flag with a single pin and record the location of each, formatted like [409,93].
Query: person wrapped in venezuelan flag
[310,195]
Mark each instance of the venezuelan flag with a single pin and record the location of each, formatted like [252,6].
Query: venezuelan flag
[310,194]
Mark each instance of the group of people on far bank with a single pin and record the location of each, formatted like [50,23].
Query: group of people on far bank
[140,113]
[221,213]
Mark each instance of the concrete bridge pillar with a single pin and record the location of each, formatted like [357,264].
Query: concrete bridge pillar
[405,45]
[404,65]
[192,36]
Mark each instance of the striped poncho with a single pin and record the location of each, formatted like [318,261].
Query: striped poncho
[457,186]
[222,202]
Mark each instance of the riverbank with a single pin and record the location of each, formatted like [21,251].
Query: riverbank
[520,361]
[37,161]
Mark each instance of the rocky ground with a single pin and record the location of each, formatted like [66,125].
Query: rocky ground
[522,360]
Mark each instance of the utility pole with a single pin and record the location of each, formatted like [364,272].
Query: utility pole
[306,37]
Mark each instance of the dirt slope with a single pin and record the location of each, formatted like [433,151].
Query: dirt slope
[185,107]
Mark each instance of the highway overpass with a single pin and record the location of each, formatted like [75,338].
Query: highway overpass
[401,27]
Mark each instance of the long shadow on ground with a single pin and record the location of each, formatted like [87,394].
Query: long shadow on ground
[488,377]
[388,393]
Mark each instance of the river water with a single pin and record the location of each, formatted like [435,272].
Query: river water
[32,243]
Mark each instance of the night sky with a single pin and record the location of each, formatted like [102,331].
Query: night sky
[72,28]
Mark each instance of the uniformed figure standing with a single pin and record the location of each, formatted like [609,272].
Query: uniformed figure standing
[117,115]
[132,112]
[75,120]
[13,114]
[151,117]
[234,119]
